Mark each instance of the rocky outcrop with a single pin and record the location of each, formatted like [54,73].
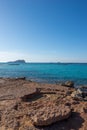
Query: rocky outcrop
[83,90]
[24,105]
[80,93]
[49,113]
[21,78]
[77,95]
[68,84]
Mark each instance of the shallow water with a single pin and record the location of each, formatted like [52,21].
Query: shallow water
[47,72]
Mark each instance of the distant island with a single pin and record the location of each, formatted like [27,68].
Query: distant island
[17,62]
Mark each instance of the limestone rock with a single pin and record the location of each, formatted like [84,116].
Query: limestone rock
[77,95]
[80,93]
[69,84]
[49,114]
[83,90]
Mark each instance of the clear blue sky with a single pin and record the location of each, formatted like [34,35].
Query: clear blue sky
[43,30]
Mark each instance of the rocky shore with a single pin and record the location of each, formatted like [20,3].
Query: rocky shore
[27,105]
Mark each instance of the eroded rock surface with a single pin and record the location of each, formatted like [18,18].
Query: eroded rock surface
[68,84]
[25,105]
[49,114]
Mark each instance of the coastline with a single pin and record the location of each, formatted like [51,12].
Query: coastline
[20,99]
[46,72]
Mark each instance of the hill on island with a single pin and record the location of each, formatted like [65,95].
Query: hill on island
[17,62]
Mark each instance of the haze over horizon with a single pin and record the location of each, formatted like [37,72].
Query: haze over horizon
[43,30]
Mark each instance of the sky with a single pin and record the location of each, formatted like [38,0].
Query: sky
[43,30]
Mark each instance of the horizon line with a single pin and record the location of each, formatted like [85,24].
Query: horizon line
[46,62]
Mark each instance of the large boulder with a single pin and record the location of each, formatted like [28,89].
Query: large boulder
[49,113]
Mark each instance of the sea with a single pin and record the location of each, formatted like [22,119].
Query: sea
[47,72]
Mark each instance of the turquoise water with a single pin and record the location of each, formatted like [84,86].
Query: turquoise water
[47,72]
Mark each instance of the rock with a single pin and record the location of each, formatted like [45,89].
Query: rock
[49,114]
[77,94]
[24,103]
[33,93]
[69,84]
[21,78]
[85,99]
[83,90]
[80,93]
[83,110]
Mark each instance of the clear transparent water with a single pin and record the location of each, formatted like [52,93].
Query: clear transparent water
[46,72]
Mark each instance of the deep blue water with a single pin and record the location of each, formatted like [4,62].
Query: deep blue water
[47,72]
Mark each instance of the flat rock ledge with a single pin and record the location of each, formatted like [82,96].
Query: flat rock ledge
[26,105]
[49,113]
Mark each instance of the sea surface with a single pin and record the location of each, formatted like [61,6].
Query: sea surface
[47,72]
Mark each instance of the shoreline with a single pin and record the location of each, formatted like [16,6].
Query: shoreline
[22,102]
[58,82]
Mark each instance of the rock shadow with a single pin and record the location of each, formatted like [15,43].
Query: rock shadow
[31,97]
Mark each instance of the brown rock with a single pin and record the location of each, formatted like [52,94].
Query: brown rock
[49,114]
[24,103]
[69,84]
